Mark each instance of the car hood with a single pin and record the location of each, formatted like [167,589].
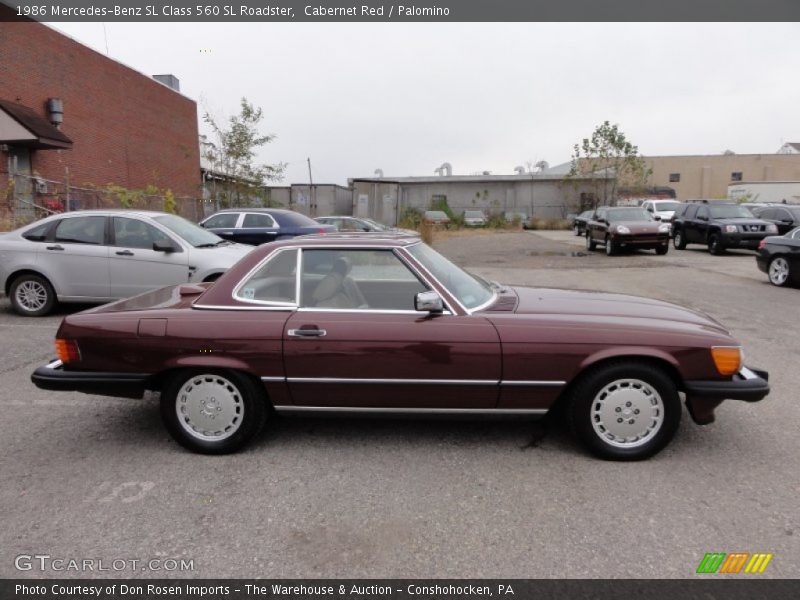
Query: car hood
[225,255]
[603,304]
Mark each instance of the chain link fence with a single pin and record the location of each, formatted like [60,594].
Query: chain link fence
[30,197]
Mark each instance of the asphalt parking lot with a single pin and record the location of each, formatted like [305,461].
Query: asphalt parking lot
[87,477]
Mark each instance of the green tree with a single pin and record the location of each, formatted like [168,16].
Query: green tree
[238,175]
[607,161]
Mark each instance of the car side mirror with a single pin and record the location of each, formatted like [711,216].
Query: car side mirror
[657,217]
[164,246]
[429,302]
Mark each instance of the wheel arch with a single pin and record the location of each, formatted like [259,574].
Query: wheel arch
[157,381]
[12,277]
[599,360]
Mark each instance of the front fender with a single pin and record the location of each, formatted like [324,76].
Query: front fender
[630,352]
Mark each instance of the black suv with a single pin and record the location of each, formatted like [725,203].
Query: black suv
[718,225]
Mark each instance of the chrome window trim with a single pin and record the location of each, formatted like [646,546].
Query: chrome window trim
[383,311]
[284,408]
[264,262]
[222,307]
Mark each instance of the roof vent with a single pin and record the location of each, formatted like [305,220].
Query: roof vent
[169,80]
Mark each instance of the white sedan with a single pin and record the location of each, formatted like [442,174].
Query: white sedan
[102,255]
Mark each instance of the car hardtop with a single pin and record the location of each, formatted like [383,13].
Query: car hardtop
[95,212]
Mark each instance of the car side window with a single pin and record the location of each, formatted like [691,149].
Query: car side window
[781,214]
[274,283]
[221,220]
[357,279]
[690,211]
[133,233]
[258,220]
[702,212]
[81,230]
[38,233]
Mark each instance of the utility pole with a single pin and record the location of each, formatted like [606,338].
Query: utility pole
[312,197]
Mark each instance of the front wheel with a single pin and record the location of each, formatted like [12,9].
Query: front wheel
[611,247]
[679,240]
[32,295]
[662,250]
[624,410]
[590,243]
[576,229]
[779,271]
[213,412]
[715,246]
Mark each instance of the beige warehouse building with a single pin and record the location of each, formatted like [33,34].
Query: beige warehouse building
[709,176]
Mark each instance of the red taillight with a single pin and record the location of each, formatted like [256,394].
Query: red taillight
[67,351]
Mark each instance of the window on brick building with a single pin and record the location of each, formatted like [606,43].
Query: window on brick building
[674,177]
[736,176]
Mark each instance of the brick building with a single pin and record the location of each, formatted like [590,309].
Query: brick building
[118,126]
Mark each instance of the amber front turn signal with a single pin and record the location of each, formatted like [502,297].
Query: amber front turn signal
[67,351]
[728,359]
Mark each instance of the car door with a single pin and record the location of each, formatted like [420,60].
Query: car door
[257,228]
[136,267]
[701,224]
[597,226]
[77,257]
[368,347]
[223,224]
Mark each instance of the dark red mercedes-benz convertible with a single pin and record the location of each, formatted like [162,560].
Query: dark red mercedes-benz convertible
[384,324]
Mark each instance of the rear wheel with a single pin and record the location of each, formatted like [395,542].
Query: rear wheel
[679,241]
[624,410]
[213,411]
[779,271]
[590,243]
[32,295]
[715,245]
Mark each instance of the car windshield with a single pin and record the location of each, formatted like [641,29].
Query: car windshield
[629,214]
[666,206]
[293,219]
[730,211]
[375,225]
[193,234]
[468,289]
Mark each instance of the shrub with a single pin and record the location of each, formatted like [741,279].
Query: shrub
[426,230]
[411,218]
[549,224]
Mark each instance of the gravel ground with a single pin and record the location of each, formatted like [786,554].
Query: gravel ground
[92,477]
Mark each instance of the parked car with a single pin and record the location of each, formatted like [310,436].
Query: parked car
[256,226]
[784,217]
[342,324]
[515,216]
[661,210]
[779,258]
[474,218]
[103,255]
[626,227]
[360,224]
[436,217]
[718,225]
[579,222]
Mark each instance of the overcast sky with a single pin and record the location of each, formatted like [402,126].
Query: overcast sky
[407,97]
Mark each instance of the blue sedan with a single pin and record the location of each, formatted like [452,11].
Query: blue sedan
[256,226]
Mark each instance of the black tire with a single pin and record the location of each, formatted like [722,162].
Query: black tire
[585,409]
[247,399]
[576,229]
[591,245]
[679,240]
[715,246]
[662,250]
[611,247]
[32,295]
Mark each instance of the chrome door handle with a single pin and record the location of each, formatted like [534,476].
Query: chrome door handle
[307,333]
[56,247]
[125,253]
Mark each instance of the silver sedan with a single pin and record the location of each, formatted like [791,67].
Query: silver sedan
[103,255]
